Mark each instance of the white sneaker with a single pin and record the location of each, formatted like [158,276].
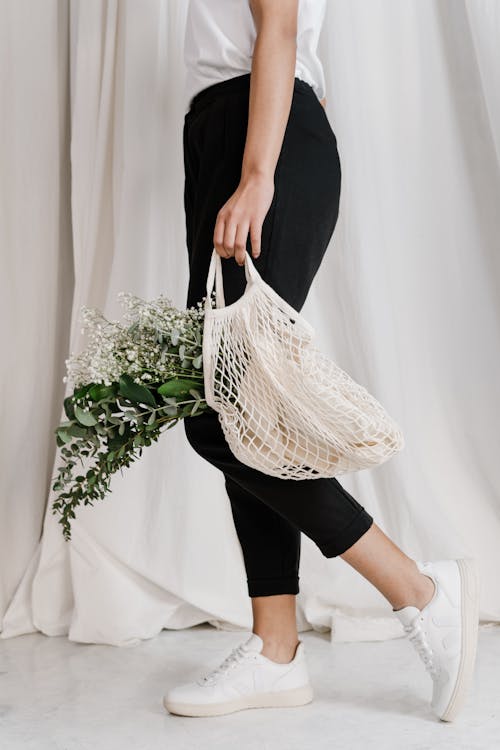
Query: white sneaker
[445,631]
[245,679]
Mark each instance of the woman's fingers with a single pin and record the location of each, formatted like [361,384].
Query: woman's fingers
[255,236]
[218,238]
[230,238]
[240,242]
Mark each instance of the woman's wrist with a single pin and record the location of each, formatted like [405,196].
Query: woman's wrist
[256,174]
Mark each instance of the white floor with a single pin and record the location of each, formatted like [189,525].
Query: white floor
[59,695]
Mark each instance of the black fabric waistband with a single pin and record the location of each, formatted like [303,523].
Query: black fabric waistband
[231,85]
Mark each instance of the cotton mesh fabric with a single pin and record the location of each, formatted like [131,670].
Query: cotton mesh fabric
[285,408]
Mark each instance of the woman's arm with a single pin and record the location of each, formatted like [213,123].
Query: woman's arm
[271,91]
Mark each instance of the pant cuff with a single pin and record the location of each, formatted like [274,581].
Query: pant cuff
[273,586]
[352,532]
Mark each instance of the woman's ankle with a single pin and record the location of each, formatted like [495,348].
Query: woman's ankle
[280,649]
[420,597]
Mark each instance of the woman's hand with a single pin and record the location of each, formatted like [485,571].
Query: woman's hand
[242,213]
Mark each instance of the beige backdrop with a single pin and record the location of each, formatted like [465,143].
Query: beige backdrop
[407,300]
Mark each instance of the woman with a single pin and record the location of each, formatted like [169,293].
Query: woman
[262,175]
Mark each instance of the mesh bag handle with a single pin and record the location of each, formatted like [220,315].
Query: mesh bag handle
[215,274]
[252,276]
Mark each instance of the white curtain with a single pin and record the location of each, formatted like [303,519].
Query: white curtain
[406,300]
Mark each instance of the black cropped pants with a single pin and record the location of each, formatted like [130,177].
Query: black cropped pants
[269,512]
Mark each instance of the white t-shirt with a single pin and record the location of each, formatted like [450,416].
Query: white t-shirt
[220,36]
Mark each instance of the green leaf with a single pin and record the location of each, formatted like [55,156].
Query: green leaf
[100,391]
[85,417]
[77,431]
[82,391]
[170,400]
[170,411]
[69,408]
[135,392]
[64,436]
[177,387]
[185,411]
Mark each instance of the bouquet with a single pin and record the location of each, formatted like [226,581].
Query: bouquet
[134,379]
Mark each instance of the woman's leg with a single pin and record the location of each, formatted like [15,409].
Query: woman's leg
[269,513]
[378,560]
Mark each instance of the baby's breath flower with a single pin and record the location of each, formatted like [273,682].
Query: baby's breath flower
[141,342]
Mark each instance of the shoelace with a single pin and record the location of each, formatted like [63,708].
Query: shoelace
[236,656]
[418,637]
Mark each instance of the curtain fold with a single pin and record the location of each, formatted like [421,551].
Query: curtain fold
[407,301]
[36,269]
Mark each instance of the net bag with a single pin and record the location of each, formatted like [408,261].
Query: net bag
[285,408]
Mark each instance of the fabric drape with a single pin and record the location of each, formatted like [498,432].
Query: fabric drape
[407,301]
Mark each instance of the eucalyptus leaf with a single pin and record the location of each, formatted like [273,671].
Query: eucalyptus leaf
[77,430]
[169,399]
[85,418]
[65,437]
[170,411]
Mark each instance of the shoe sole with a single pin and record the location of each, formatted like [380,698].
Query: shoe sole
[469,591]
[284,698]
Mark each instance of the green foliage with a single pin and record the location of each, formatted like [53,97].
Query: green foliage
[109,423]
[111,426]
